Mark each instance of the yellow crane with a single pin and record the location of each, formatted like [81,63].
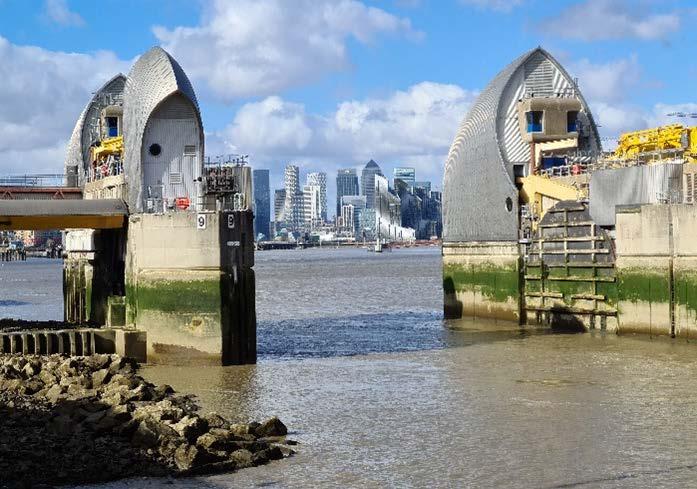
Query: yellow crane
[541,193]
[653,145]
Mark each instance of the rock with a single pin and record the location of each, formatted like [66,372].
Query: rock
[55,394]
[98,361]
[217,440]
[285,450]
[265,456]
[191,427]
[162,391]
[31,369]
[100,377]
[47,377]
[188,457]
[140,393]
[119,414]
[215,420]
[242,458]
[32,386]
[271,427]
[239,429]
[123,365]
[144,436]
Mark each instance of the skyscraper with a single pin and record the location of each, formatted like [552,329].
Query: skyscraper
[279,205]
[368,183]
[319,179]
[291,182]
[346,184]
[262,203]
[406,175]
[312,212]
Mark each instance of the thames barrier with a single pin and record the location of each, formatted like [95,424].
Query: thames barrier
[542,227]
[158,248]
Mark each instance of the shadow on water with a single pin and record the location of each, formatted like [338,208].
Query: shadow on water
[12,303]
[382,333]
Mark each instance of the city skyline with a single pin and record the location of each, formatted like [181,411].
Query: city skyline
[277,182]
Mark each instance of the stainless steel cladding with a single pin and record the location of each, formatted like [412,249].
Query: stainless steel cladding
[86,131]
[163,133]
[645,184]
[480,199]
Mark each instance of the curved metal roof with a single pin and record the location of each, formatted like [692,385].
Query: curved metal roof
[153,78]
[78,145]
[480,200]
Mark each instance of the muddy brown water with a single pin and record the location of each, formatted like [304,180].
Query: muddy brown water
[381,392]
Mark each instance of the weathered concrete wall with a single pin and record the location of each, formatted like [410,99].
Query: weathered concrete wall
[643,269]
[657,269]
[92,272]
[481,279]
[191,288]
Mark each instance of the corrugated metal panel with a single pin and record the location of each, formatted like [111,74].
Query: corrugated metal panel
[539,76]
[633,185]
[174,127]
[155,77]
[478,176]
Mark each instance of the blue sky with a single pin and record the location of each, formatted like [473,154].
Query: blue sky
[332,83]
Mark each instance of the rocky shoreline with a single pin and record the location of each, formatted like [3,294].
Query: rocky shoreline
[91,419]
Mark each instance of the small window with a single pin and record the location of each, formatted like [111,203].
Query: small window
[112,125]
[509,204]
[534,120]
[155,149]
[190,149]
[572,121]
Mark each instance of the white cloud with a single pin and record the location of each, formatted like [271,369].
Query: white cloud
[609,81]
[413,127]
[41,95]
[58,11]
[250,47]
[594,20]
[498,5]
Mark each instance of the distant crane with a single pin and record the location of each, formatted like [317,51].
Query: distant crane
[689,115]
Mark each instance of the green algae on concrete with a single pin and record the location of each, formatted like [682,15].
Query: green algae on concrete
[646,285]
[172,296]
[497,283]
[686,288]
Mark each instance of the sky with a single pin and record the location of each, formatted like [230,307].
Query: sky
[328,84]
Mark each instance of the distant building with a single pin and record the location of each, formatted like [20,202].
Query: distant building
[345,221]
[312,207]
[370,170]
[388,214]
[262,203]
[293,208]
[357,205]
[423,185]
[406,175]
[279,203]
[346,184]
[319,179]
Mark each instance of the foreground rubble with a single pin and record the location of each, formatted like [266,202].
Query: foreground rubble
[86,419]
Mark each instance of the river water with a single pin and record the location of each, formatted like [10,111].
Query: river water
[381,392]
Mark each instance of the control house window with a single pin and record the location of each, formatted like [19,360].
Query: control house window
[534,120]
[112,124]
[572,121]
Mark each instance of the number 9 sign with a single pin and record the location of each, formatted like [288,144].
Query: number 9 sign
[201,221]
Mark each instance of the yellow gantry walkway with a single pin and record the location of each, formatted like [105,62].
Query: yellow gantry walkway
[62,214]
